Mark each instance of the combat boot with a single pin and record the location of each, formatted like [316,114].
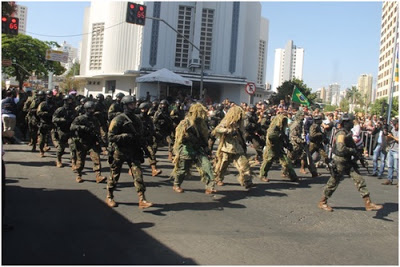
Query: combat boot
[323,204]
[79,179]
[59,164]
[41,155]
[143,203]
[154,171]
[264,179]
[110,201]
[99,178]
[369,206]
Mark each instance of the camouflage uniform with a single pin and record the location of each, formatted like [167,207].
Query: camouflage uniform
[100,112]
[86,138]
[299,145]
[232,148]
[253,132]
[344,149]
[148,137]
[317,137]
[213,120]
[163,125]
[33,119]
[116,108]
[125,135]
[276,140]
[191,148]
[45,112]
[62,119]
[177,114]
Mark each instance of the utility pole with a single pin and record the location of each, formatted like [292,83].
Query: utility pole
[198,49]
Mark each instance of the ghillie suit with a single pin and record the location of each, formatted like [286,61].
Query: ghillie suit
[191,147]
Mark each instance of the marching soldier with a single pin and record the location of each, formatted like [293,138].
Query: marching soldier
[276,141]
[86,138]
[232,147]
[317,138]
[116,107]
[62,119]
[33,119]
[253,131]
[164,125]
[191,148]
[45,112]
[344,163]
[125,134]
[148,137]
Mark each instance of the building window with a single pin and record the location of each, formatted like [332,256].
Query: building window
[96,48]
[185,28]
[206,35]
[110,85]
[261,61]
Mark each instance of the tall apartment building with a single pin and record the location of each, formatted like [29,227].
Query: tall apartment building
[231,34]
[322,93]
[72,55]
[364,86]
[21,12]
[288,64]
[333,94]
[390,17]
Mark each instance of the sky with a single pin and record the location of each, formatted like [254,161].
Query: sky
[340,39]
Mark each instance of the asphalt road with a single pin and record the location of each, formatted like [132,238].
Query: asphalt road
[58,221]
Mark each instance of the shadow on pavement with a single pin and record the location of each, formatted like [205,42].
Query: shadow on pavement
[75,227]
[387,209]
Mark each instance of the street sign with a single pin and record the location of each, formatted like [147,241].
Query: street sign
[54,55]
[6,62]
[250,88]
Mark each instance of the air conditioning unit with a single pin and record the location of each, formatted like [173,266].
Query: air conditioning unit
[194,63]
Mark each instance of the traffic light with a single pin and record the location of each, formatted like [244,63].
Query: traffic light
[9,25]
[136,13]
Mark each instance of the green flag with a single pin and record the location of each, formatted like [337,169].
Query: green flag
[298,97]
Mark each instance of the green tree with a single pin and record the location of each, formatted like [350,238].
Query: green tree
[381,105]
[344,105]
[75,69]
[28,55]
[329,108]
[285,92]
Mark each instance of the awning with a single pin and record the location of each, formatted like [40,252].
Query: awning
[164,75]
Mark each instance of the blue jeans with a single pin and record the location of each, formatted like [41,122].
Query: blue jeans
[393,163]
[381,154]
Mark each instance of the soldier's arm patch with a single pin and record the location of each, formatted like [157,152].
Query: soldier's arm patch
[340,138]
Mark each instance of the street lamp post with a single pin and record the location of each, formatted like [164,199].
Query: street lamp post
[198,49]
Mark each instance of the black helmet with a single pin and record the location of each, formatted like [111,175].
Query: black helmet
[144,105]
[83,100]
[67,97]
[40,93]
[49,92]
[252,107]
[164,101]
[128,100]
[119,95]
[155,102]
[100,97]
[178,102]
[89,104]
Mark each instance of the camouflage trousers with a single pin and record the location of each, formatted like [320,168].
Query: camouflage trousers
[151,154]
[33,134]
[274,153]
[320,149]
[62,143]
[81,152]
[345,167]
[203,165]
[119,159]
[298,153]
[44,134]
[240,162]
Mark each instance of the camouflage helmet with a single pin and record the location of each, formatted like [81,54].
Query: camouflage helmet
[89,105]
[144,105]
[100,97]
[126,100]
[119,95]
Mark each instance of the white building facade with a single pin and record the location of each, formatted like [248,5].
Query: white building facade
[21,13]
[288,64]
[229,33]
[364,86]
[390,17]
